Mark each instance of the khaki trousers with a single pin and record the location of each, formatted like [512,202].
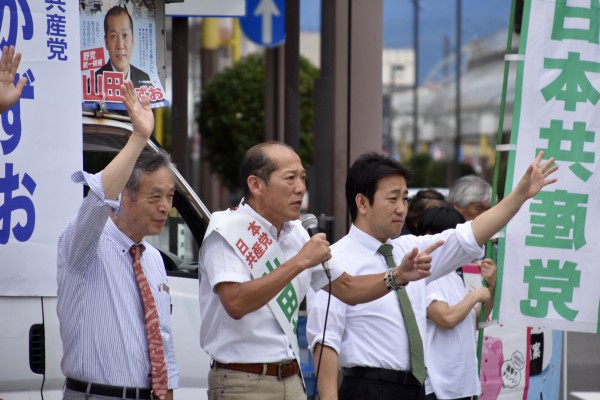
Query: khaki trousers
[225,384]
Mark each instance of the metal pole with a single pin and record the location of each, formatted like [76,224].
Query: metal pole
[292,74]
[564,365]
[457,139]
[179,107]
[209,65]
[415,144]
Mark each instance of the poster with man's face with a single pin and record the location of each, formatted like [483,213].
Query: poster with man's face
[118,43]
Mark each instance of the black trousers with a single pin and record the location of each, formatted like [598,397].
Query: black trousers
[353,388]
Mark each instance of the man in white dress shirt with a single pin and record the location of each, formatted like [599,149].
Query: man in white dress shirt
[256,264]
[100,307]
[369,342]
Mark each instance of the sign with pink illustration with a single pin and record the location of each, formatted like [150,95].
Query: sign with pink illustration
[517,363]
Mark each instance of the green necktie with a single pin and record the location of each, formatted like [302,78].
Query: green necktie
[415,343]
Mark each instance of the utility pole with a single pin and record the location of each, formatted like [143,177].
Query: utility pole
[179,108]
[348,104]
[457,105]
[415,144]
[209,58]
[292,74]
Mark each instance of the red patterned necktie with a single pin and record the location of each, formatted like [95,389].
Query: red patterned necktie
[155,345]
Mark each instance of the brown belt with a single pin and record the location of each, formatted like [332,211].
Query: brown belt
[280,370]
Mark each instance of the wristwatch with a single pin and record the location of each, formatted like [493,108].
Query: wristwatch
[389,280]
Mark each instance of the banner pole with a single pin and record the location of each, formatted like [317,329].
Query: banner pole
[490,245]
[564,366]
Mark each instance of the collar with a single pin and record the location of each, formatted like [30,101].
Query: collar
[366,240]
[121,239]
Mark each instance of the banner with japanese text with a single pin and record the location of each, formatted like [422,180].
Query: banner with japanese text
[40,142]
[547,260]
[118,42]
[517,362]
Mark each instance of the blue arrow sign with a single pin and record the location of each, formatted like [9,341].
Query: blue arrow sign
[264,22]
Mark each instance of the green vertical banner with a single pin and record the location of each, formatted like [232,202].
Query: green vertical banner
[548,256]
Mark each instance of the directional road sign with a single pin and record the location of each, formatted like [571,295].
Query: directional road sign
[264,22]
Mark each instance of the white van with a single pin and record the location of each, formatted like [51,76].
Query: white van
[30,344]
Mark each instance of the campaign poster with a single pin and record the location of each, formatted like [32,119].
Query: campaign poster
[118,43]
[40,144]
[547,268]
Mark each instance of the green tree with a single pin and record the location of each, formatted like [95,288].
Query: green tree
[231,115]
[418,164]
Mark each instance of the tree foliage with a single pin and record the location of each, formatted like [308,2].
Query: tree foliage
[231,115]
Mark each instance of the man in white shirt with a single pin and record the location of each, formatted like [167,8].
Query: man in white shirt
[114,305]
[369,342]
[256,264]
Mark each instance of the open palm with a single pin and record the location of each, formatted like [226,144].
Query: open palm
[9,93]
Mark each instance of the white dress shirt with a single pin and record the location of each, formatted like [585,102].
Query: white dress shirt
[257,337]
[373,334]
[101,313]
[451,353]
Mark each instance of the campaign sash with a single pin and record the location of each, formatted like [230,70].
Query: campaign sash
[255,246]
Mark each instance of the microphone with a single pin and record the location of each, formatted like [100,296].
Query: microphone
[310,223]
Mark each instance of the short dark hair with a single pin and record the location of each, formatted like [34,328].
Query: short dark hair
[115,12]
[148,161]
[256,162]
[438,219]
[364,176]
[416,208]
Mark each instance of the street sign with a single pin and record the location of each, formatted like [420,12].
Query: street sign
[264,22]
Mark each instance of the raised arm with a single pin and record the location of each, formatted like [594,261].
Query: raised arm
[9,93]
[448,317]
[488,272]
[534,179]
[117,172]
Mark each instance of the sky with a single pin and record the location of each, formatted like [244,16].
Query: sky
[437,19]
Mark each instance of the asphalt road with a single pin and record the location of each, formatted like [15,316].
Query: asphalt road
[583,366]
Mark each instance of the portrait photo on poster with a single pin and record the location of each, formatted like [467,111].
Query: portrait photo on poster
[118,43]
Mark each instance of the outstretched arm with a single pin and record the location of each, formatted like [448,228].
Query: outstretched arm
[9,93]
[364,288]
[534,179]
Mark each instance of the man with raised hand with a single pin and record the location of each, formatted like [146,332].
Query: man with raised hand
[114,305]
[379,345]
[256,265]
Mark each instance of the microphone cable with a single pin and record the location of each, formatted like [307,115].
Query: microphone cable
[323,339]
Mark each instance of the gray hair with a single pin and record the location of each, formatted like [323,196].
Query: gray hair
[148,161]
[470,189]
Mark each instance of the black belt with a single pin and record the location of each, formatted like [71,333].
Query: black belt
[110,391]
[280,370]
[381,374]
